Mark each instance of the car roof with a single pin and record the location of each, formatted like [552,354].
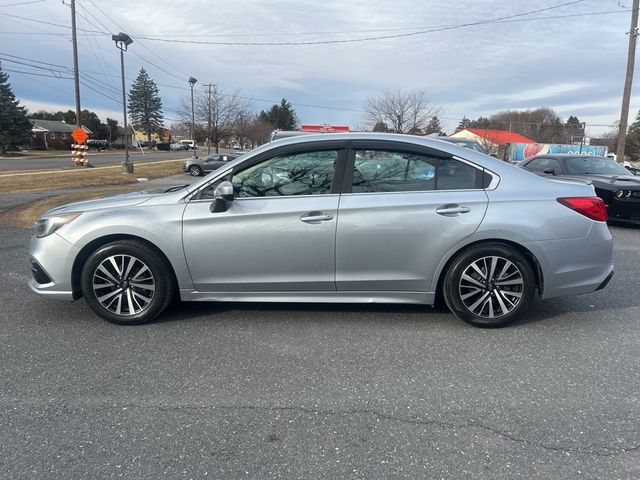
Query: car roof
[568,155]
[480,159]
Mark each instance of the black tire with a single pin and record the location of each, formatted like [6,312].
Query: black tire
[489,285]
[137,297]
[195,170]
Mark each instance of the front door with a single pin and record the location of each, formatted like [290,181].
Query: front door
[278,233]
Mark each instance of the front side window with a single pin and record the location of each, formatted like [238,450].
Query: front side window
[388,171]
[308,173]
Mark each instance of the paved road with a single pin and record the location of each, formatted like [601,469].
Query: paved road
[33,163]
[301,391]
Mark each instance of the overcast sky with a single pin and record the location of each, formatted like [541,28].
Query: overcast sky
[474,58]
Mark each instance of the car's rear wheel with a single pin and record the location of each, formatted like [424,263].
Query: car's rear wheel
[127,282]
[489,285]
[195,170]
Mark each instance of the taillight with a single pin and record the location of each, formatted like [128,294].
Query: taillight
[591,207]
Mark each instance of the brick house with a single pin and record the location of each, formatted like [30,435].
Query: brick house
[52,134]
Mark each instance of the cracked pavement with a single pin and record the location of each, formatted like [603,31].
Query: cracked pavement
[267,391]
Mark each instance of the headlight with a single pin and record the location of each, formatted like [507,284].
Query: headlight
[47,225]
[619,193]
[627,194]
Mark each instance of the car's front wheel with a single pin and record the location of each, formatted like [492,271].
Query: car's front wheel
[195,170]
[127,282]
[489,285]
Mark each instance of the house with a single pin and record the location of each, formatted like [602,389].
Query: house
[53,134]
[119,138]
[494,141]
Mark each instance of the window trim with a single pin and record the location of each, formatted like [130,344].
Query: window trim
[338,174]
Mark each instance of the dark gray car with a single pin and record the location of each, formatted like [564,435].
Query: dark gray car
[208,164]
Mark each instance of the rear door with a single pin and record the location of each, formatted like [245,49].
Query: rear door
[402,209]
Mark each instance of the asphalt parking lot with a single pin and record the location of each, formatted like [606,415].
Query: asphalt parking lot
[263,391]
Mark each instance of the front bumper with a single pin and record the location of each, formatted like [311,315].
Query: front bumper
[52,260]
[624,209]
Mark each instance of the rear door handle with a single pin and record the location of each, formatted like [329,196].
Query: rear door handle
[452,210]
[316,217]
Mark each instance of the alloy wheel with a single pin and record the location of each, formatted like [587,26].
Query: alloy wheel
[123,285]
[491,287]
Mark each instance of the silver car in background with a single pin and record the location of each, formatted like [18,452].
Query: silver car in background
[333,218]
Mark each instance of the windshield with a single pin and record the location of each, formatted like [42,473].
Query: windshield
[594,165]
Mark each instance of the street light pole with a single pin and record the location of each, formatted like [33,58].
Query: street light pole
[192,82]
[122,42]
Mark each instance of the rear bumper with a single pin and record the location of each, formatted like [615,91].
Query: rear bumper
[575,265]
[606,281]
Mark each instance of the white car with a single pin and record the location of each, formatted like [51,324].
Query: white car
[184,145]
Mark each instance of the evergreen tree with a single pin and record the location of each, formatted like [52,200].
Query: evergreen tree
[464,124]
[282,117]
[433,126]
[481,122]
[573,129]
[145,105]
[15,127]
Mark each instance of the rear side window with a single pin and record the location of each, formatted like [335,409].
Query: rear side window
[542,164]
[389,171]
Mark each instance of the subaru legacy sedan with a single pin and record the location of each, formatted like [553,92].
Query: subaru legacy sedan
[342,218]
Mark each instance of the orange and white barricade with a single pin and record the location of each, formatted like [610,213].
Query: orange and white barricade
[79,154]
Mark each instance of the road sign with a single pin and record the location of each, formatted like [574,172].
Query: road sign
[79,135]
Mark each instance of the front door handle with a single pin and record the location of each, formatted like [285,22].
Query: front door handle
[451,210]
[316,217]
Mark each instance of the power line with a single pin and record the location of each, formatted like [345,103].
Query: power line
[372,38]
[37,74]
[139,43]
[34,61]
[20,3]
[46,23]
[341,32]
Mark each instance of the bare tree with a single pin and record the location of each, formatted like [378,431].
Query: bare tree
[242,125]
[401,112]
[215,113]
[259,131]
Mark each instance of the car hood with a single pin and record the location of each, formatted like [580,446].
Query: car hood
[611,182]
[120,200]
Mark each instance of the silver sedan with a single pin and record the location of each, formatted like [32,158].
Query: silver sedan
[338,218]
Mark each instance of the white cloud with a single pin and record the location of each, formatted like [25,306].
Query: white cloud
[573,64]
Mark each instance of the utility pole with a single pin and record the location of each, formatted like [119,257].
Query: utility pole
[626,96]
[76,78]
[209,121]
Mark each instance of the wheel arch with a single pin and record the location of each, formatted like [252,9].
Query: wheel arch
[89,248]
[535,264]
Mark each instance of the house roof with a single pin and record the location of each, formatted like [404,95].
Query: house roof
[500,137]
[55,126]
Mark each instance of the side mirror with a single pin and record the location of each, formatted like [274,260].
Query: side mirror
[222,194]
[549,171]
